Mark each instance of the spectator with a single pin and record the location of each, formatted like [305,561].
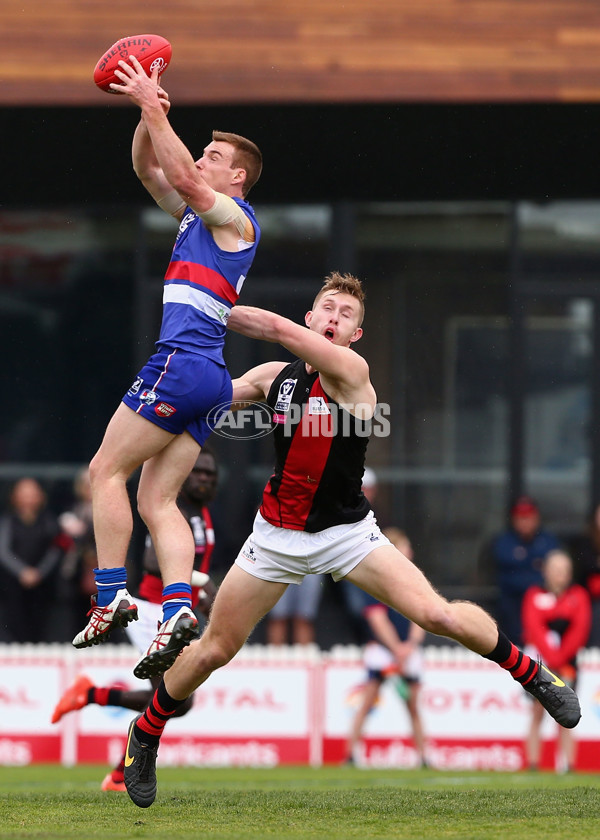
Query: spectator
[369,485]
[393,650]
[77,568]
[517,555]
[30,551]
[556,625]
[351,595]
[298,604]
[586,554]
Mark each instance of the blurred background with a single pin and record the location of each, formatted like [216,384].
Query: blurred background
[445,151]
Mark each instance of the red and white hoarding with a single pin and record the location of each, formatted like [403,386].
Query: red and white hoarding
[286,706]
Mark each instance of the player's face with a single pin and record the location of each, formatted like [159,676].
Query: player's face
[201,483]
[336,316]
[215,166]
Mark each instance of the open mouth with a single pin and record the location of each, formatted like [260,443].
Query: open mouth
[328,334]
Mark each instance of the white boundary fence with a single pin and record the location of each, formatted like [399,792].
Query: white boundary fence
[288,705]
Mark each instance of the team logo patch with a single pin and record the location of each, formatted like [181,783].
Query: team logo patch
[148,397]
[135,387]
[248,553]
[163,409]
[318,405]
[284,397]
[185,222]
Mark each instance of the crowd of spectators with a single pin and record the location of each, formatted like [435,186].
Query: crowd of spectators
[47,560]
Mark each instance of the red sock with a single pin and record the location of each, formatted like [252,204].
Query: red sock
[150,726]
[521,667]
[105,696]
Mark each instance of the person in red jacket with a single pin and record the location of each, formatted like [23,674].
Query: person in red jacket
[557,619]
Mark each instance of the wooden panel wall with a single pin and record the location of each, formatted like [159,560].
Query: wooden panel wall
[270,51]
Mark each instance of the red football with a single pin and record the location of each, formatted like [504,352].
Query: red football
[150,50]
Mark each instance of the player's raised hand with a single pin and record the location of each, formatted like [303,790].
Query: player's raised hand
[163,97]
[135,83]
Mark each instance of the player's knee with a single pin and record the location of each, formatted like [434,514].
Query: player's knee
[96,469]
[144,507]
[437,618]
[103,470]
[209,655]
[152,505]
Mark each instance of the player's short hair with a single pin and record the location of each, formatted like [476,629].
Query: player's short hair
[346,283]
[247,156]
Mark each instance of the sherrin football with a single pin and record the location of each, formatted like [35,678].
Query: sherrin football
[152,51]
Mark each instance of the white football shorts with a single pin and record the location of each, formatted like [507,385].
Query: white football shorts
[286,556]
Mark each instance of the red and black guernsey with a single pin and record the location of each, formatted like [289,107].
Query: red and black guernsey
[319,456]
[151,585]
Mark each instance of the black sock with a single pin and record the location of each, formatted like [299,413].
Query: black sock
[105,696]
[150,726]
[508,656]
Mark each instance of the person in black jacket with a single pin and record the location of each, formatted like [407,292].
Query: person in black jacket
[30,550]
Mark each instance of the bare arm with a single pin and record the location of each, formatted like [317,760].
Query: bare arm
[255,384]
[340,364]
[172,156]
[149,171]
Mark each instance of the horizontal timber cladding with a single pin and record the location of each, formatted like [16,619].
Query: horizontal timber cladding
[273,51]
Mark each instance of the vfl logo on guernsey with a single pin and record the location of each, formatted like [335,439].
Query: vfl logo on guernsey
[185,223]
[284,397]
[318,405]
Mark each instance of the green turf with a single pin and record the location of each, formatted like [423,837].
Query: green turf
[333,803]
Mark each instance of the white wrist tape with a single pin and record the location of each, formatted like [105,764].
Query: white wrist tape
[171,203]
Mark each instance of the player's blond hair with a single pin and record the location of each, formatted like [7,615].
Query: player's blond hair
[346,283]
[246,156]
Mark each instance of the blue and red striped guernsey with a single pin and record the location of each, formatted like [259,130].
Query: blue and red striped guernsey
[319,460]
[203,277]
[202,284]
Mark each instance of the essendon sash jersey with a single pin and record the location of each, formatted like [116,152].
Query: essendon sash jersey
[319,456]
[151,585]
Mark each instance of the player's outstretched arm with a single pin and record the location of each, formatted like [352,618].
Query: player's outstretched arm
[254,385]
[148,169]
[332,360]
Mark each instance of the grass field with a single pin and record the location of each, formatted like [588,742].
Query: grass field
[298,802]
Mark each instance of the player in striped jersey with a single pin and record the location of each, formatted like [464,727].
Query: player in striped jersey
[197,492]
[173,403]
